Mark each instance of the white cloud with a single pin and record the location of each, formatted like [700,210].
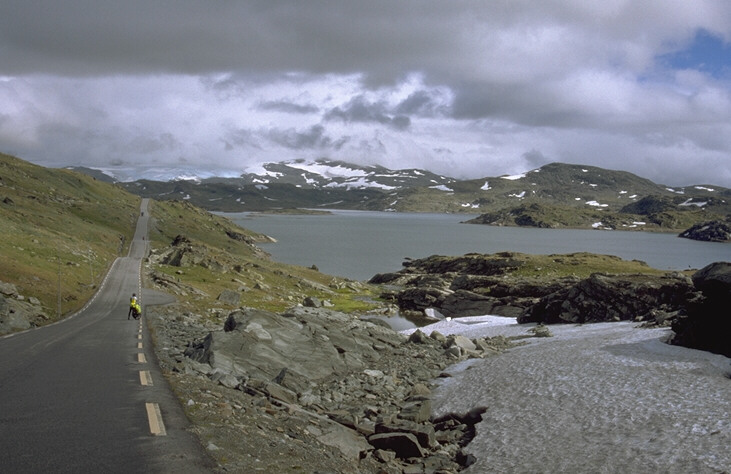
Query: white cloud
[467,89]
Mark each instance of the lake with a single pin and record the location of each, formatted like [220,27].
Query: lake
[360,244]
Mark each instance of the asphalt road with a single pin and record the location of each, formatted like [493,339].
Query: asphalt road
[86,394]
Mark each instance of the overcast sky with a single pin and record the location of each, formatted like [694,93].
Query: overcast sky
[464,88]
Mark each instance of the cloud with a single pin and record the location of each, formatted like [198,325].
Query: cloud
[360,109]
[288,107]
[463,88]
[311,138]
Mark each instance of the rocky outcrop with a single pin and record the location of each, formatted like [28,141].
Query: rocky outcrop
[183,252]
[706,324]
[469,285]
[476,284]
[612,298]
[711,231]
[364,385]
[18,312]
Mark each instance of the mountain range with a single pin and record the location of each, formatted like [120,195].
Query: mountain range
[554,195]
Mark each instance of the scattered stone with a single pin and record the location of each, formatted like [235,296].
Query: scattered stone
[404,445]
[312,302]
[18,313]
[359,389]
[230,297]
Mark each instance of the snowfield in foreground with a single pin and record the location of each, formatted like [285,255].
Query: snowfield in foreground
[605,397]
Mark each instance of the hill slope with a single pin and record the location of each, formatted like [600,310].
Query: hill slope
[59,230]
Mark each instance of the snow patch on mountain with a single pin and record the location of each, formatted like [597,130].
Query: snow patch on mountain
[514,177]
[442,187]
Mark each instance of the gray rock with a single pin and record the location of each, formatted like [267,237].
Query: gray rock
[349,442]
[8,289]
[416,409]
[424,433]
[461,342]
[311,344]
[405,445]
[312,302]
[230,297]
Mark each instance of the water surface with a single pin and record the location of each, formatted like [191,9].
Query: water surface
[360,244]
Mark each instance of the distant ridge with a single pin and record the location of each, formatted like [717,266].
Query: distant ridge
[554,195]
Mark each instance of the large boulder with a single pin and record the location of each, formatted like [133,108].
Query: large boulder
[293,348]
[17,312]
[611,298]
[707,322]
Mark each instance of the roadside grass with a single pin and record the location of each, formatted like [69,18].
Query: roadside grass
[60,229]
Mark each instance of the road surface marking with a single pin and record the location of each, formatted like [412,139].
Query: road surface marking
[141,358]
[154,417]
[139,336]
[139,345]
[145,377]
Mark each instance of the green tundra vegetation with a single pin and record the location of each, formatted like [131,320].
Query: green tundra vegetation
[60,230]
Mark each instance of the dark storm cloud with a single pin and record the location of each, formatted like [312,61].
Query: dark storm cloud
[96,81]
[288,107]
[311,138]
[359,109]
[422,103]
[80,37]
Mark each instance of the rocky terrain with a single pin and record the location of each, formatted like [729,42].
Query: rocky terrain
[314,390]
[18,312]
[515,284]
[502,284]
[711,231]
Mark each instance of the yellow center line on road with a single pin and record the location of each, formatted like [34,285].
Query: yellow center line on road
[145,377]
[154,417]
[141,358]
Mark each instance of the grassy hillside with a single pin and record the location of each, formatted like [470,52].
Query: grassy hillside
[225,257]
[60,228]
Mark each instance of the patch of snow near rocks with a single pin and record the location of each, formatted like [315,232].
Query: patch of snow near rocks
[361,182]
[690,203]
[603,397]
[442,187]
[514,177]
[328,171]
[485,187]
[596,204]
